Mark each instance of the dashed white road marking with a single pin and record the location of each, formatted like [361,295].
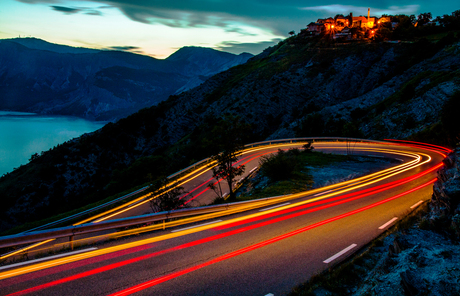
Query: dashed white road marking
[388,223]
[47,258]
[274,207]
[417,204]
[323,193]
[330,259]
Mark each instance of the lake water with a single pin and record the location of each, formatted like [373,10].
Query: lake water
[23,134]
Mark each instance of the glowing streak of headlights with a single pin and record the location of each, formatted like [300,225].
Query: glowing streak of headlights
[172,235]
[342,186]
[168,277]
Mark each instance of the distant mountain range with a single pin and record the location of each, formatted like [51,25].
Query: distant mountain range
[46,78]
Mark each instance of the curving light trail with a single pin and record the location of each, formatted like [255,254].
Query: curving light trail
[331,196]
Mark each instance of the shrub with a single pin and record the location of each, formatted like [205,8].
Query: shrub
[280,166]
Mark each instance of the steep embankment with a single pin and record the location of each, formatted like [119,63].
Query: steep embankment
[301,87]
[41,77]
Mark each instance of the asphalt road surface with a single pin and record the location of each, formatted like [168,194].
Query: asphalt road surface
[257,252]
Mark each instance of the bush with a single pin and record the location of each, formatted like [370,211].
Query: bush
[280,166]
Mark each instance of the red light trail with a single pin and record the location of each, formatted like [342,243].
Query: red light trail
[168,277]
[342,200]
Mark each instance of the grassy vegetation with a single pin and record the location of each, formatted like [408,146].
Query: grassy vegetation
[339,280]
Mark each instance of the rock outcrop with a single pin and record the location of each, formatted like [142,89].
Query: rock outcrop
[445,203]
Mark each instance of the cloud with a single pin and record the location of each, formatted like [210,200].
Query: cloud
[39,1]
[66,10]
[93,12]
[275,17]
[127,48]
[254,48]
[70,10]
[124,48]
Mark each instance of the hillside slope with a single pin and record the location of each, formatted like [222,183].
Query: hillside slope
[301,87]
[41,77]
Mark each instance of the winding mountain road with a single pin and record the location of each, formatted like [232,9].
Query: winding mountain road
[254,252]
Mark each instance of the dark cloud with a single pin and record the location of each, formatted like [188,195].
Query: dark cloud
[254,48]
[66,10]
[200,13]
[276,16]
[39,1]
[70,10]
[124,48]
[239,31]
[93,12]
[132,49]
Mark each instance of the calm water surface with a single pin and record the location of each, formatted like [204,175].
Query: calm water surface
[23,134]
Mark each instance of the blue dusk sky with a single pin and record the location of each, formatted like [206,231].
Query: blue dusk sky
[160,27]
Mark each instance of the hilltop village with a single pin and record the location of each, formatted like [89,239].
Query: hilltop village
[360,27]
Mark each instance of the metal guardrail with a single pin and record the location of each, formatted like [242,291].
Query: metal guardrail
[86,211]
[281,141]
[313,140]
[70,231]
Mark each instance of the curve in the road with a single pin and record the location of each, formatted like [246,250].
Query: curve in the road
[325,206]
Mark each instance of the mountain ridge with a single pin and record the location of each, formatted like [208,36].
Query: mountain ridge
[47,78]
[40,44]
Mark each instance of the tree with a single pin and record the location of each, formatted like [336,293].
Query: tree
[168,196]
[308,147]
[292,33]
[281,165]
[450,22]
[405,28]
[229,134]
[34,157]
[284,165]
[424,18]
[383,33]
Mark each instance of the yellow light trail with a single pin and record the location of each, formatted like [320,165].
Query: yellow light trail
[206,169]
[26,248]
[142,200]
[400,169]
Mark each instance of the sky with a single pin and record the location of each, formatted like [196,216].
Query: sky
[160,27]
